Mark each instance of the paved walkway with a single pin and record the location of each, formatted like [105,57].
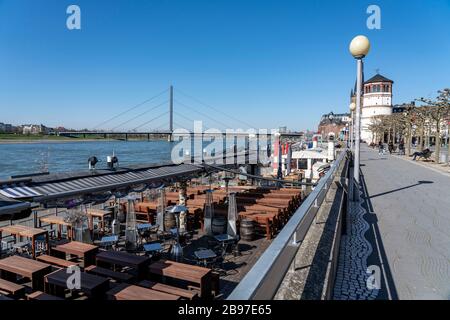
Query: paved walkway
[404,228]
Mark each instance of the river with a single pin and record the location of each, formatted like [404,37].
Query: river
[26,158]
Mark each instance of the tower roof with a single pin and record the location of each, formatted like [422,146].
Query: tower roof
[378,78]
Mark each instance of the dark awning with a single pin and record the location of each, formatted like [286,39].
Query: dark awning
[10,207]
[71,184]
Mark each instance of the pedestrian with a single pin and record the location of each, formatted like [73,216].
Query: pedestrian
[380,148]
[390,147]
[401,148]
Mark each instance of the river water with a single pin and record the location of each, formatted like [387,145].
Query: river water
[26,158]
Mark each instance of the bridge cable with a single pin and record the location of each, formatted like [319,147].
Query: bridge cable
[147,122]
[205,115]
[213,108]
[141,114]
[187,118]
[132,108]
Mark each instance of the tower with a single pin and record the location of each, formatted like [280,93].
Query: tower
[377,100]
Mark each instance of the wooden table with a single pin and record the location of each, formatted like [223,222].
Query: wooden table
[27,232]
[59,221]
[195,274]
[124,259]
[12,266]
[92,285]
[79,249]
[100,215]
[132,292]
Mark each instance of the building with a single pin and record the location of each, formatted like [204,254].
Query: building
[376,101]
[334,126]
[35,129]
[6,127]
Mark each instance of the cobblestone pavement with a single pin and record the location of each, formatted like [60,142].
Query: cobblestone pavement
[352,276]
[402,227]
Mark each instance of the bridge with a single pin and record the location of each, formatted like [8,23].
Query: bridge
[149,130]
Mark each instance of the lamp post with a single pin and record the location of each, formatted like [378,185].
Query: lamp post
[359,48]
[352,111]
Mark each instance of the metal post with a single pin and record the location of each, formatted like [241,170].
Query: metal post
[357,128]
[280,160]
[171,110]
[351,132]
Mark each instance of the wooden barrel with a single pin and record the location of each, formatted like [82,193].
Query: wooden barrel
[169,221]
[247,229]
[219,224]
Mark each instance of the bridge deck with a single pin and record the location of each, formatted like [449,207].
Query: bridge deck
[407,222]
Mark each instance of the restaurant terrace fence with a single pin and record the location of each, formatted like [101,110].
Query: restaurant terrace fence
[265,277]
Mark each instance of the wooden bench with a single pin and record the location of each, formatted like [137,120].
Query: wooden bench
[186,294]
[56,261]
[103,272]
[12,288]
[199,276]
[425,154]
[41,296]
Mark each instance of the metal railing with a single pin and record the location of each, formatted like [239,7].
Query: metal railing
[264,278]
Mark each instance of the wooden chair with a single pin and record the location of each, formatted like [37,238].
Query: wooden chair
[13,289]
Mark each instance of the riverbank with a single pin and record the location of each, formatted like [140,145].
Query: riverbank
[24,141]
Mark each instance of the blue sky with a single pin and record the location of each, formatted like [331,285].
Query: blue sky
[266,63]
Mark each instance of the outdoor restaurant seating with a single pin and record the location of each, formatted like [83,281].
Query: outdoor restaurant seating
[108,271]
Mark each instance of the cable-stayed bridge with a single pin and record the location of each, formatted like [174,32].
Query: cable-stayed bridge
[169,117]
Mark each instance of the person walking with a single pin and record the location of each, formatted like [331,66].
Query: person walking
[391,147]
[401,148]
[380,148]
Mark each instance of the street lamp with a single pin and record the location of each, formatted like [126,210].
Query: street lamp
[359,48]
[352,110]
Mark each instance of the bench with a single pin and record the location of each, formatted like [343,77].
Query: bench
[56,261]
[425,154]
[41,296]
[103,272]
[185,294]
[12,288]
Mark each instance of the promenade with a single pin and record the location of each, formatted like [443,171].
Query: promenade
[401,225]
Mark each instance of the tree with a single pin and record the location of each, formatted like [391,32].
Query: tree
[438,110]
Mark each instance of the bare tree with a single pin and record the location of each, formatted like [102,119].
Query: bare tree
[438,110]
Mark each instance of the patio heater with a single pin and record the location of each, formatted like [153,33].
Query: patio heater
[227,177]
[130,229]
[182,196]
[232,215]
[209,213]
[161,208]
[176,252]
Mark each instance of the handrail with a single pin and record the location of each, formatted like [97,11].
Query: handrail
[265,277]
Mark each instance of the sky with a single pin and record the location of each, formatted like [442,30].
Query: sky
[232,63]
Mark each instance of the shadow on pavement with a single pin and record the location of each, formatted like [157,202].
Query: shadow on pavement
[378,256]
[399,189]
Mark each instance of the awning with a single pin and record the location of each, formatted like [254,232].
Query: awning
[65,185]
[9,208]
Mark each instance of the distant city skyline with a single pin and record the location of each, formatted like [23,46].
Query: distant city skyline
[267,64]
